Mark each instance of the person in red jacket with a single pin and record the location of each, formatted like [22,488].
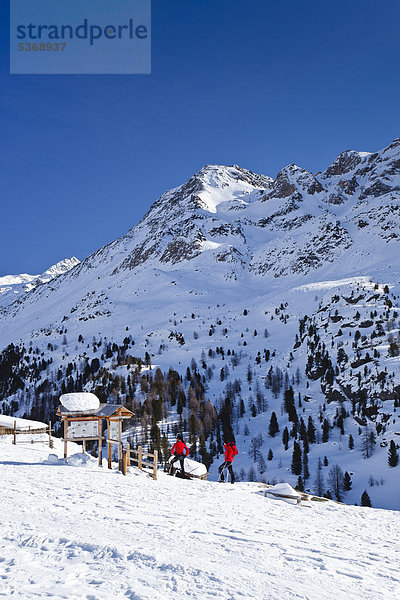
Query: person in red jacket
[179,451]
[230,453]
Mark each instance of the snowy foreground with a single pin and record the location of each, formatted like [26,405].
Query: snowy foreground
[83,532]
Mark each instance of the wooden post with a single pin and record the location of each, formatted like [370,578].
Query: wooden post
[119,440]
[15,433]
[100,442]
[109,445]
[128,452]
[84,445]
[65,439]
[140,457]
[124,461]
[51,445]
[155,465]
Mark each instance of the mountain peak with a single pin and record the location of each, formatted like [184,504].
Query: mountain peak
[61,267]
[12,286]
[346,161]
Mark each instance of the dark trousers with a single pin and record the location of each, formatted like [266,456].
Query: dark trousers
[181,459]
[226,465]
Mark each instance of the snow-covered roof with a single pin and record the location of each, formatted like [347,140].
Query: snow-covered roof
[104,410]
[21,424]
[80,401]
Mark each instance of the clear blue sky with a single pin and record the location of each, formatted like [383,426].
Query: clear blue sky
[258,83]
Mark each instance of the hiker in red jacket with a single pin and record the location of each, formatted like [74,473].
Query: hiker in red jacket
[230,453]
[179,451]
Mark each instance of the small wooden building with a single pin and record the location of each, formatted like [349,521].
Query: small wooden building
[82,426]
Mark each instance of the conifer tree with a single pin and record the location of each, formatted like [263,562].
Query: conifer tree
[365,499]
[336,481]
[285,438]
[155,437]
[273,425]
[225,416]
[288,399]
[311,430]
[325,430]
[340,424]
[296,465]
[347,482]
[393,457]
[319,482]
[306,472]
[351,442]
[302,430]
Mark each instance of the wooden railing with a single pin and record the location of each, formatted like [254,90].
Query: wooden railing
[30,431]
[139,457]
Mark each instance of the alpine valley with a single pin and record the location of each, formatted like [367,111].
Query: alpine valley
[240,305]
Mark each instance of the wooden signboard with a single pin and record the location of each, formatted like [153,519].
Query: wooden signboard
[87,425]
[113,430]
[83,429]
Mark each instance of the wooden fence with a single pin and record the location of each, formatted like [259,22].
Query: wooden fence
[14,431]
[140,458]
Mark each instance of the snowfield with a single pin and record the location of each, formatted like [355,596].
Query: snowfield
[83,532]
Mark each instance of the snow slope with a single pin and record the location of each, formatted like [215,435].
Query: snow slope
[88,533]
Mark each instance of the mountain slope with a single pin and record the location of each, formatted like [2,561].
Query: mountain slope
[256,285]
[239,225]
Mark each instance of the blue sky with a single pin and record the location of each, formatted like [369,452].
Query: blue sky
[257,83]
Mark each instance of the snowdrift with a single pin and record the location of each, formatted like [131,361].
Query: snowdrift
[192,467]
[79,459]
[283,491]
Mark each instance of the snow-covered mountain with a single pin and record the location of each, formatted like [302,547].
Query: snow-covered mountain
[12,286]
[257,284]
